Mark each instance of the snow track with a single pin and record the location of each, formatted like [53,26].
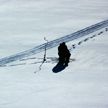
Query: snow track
[54,43]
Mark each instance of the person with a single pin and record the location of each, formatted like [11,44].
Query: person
[64,54]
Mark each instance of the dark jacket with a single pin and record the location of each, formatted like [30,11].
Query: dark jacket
[63,50]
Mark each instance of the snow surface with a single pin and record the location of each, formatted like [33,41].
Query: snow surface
[83,84]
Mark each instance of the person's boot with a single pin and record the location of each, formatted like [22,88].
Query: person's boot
[66,64]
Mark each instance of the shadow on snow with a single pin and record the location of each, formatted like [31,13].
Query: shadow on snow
[58,68]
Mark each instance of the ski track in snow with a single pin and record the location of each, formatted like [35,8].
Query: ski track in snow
[56,42]
[53,59]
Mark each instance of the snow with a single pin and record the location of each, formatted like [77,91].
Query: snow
[83,84]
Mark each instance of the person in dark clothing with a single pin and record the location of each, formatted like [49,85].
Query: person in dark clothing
[64,54]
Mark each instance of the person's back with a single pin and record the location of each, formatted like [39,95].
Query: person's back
[64,54]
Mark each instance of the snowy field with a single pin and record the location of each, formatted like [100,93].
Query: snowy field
[83,84]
